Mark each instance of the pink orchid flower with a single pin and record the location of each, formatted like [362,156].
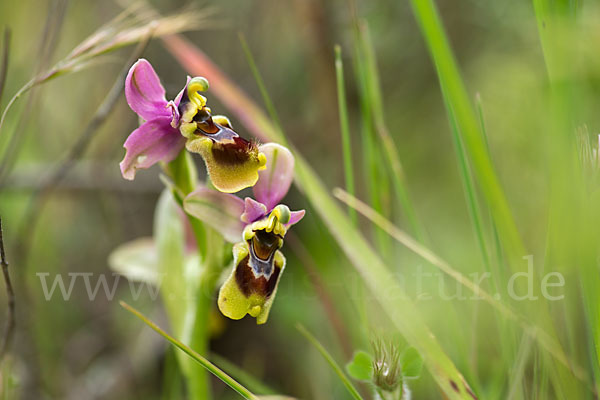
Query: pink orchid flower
[231,161]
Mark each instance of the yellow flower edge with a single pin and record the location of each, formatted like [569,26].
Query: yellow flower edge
[234,304]
[230,169]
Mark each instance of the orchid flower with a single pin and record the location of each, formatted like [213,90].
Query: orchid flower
[157,139]
[258,228]
[232,162]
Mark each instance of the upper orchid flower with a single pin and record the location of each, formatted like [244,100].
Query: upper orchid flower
[259,227]
[232,162]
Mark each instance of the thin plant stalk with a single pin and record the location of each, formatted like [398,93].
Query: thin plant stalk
[210,245]
[375,178]
[336,368]
[518,369]
[213,369]
[9,328]
[387,143]
[243,376]
[4,62]
[345,129]
[262,87]
[432,29]
[468,185]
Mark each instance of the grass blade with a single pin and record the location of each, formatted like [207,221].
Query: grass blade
[345,128]
[452,85]
[546,341]
[4,62]
[250,381]
[374,100]
[336,368]
[245,393]
[468,185]
[261,85]
[375,177]
[518,369]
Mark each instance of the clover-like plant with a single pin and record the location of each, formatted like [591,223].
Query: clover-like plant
[386,369]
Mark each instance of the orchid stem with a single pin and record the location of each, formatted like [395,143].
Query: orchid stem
[183,174]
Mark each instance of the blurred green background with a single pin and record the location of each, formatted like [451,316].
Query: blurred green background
[82,349]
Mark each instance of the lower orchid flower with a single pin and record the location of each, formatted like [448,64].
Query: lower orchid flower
[258,227]
[232,162]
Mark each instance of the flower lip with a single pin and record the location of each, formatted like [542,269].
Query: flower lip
[245,292]
[233,151]
[249,282]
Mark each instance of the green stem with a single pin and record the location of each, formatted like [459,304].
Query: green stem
[345,129]
[210,244]
[336,368]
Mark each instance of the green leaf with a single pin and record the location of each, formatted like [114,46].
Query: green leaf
[170,238]
[361,366]
[179,285]
[136,260]
[412,363]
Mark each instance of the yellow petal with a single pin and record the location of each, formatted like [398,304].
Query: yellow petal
[232,165]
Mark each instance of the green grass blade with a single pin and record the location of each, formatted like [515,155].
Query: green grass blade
[172,383]
[245,393]
[245,378]
[375,177]
[468,185]
[387,144]
[336,368]
[345,128]
[545,340]
[413,245]
[450,80]
[261,86]
[518,369]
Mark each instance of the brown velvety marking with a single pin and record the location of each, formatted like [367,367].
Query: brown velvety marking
[454,386]
[248,284]
[237,151]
